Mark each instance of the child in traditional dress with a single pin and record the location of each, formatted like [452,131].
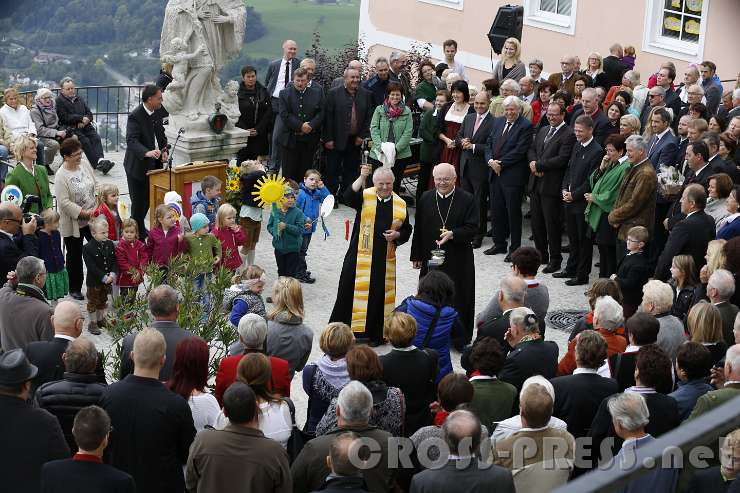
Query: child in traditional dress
[102,268]
[230,235]
[205,250]
[108,208]
[130,255]
[50,251]
[164,238]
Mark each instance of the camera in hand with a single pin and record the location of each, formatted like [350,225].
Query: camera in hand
[28,202]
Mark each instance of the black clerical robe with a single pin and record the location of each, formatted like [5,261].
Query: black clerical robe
[458,262]
[342,311]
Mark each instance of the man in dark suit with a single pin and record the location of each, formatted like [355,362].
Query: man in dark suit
[689,236]
[578,396]
[462,432]
[506,154]
[474,172]
[347,118]
[146,150]
[378,83]
[152,427]
[719,165]
[697,157]
[655,99]
[592,108]
[533,356]
[586,157]
[548,157]
[164,306]
[85,472]
[301,115]
[14,246]
[35,435]
[613,67]
[661,152]
[664,79]
[278,76]
[682,137]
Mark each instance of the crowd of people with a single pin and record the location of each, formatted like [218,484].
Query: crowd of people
[646,170]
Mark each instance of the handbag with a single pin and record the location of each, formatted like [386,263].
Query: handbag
[297,439]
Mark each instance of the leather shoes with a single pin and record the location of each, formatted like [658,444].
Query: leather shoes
[476,243]
[494,250]
[551,268]
[563,275]
[576,281]
[77,296]
[507,259]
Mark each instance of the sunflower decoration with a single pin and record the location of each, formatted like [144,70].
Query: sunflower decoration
[270,190]
[233,186]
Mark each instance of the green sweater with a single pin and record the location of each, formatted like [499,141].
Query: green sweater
[290,240]
[429,152]
[605,190]
[403,127]
[493,400]
[204,248]
[36,184]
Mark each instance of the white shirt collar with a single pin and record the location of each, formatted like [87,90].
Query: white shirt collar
[482,377]
[712,157]
[445,196]
[588,371]
[9,235]
[150,113]
[639,389]
[558,127]
[696,173]
[64,336]
[536,429]
[405,349]
[630,441]
[623,159]
[481,116]
[585,144]
[661,134]
[692,212]
[384,200]
[631,349]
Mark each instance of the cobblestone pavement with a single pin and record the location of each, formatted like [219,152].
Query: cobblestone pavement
[325,260]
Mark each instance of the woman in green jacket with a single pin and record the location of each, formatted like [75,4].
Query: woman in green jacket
[392,123]
[605,182]
[31,179]
[426,91]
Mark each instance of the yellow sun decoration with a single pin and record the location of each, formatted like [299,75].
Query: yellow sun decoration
[270,190]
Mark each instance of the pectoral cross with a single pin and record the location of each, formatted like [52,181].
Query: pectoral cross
[443,230]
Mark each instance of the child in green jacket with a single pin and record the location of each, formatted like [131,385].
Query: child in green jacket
[286,226]
[203,246]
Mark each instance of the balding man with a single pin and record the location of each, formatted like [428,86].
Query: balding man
[447,219]
[463,471]
[278,77]
[25,315]
[566,78]
[353,64]
[506,155]
[689,236]
[474,172]
[152,427]
[367,284]
[613,66]
[48,355]
[590,107]
[14,246]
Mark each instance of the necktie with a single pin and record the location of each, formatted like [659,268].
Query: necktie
[478,121]
[500,142]
[550,134]
[287,72]
[506,130]
[655,141]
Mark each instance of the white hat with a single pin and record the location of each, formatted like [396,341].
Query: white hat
[172,197]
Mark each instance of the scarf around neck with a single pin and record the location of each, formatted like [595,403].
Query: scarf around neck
[335,372]
[393,112]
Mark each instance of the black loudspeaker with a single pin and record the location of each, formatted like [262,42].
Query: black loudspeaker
[507,24]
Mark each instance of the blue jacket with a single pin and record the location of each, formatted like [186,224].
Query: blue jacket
[687,394]
[200,203]
[309,201]
[423,313]
[729,231]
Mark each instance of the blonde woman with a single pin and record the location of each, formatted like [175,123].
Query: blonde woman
[510,66]
[287,336]
[595,70]
[715,260]
[704,324]
[31,178]
[629,125]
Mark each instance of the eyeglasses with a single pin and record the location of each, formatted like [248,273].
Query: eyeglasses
[653,95]
[18,221]
[632,240]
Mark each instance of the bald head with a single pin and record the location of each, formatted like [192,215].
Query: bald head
[10,215]
[481,102]
[462,432]
[444,177]
[290,49]
[355,64]
[67,319]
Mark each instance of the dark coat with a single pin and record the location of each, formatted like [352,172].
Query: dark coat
[471,479]
[141,132]
[343,484]
[100,260]
[710,480]
[663,152]
[512,152]
[72,111]
[152,432]
[414,372]
[47,357]
[473,162]
[602,127]
[82,476]
[577,398]
[12,250]
[536,357]
[614,69]
[255,111]
[681,145]
[377,89]
[297,108]
[719,165]
[65,397]
[496,328]
[36,438]
[583,162]
[172,333]
[338,115]
[551,159]
[690,237]
[633,273]
[271,76]
[163,80]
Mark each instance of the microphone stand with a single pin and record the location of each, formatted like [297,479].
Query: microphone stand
[172,154]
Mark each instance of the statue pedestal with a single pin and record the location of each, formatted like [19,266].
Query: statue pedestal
[199,143]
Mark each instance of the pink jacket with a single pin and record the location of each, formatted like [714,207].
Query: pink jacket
[161,247]
[130,256]
[230,243]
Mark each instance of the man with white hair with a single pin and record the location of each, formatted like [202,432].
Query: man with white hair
[511,294]
[657,300]
[591,107]
[690,78]
[354,405]
[506,155]
[25,315]
[630,416]
[353,64]
[510,87]
[720,288]
[565,79]
[45,118]
[367,284]
[447,219]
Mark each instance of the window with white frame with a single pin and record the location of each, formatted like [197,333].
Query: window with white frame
[453,4]
[553,15]
[676,28]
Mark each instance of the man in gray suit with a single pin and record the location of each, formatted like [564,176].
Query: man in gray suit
[278,77]
[464,470]
[473,168]
[164,304]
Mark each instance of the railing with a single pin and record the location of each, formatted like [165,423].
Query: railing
[110,106]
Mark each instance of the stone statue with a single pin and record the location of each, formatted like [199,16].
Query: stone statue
[199,37]
[230,100]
